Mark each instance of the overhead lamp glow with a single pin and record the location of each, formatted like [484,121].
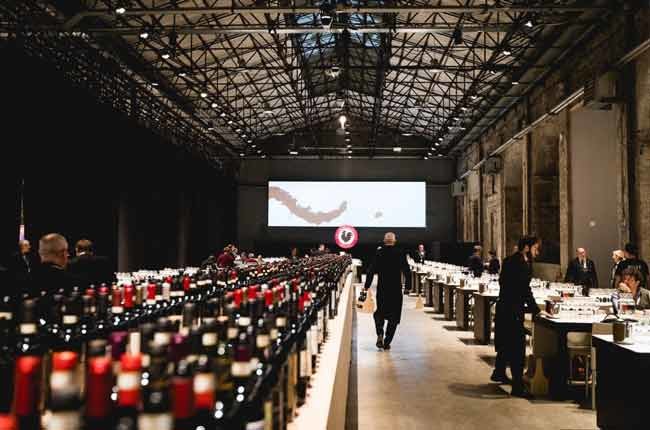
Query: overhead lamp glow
[238,130]
[440,139]
[293,152]
[230,122]
[515,82]
[342,120]
[397,149]
[251,141]
[222,114]
[242,155]
[347,139]
[165,56]
[347,132]
[507,51]
[182,74]
[120,10]
[464,108]
[426,158]
[204,95]
[144,35]
[154,84]
[349,157]
[349,146]
[407,134]
[214,105]
[243,136]
[529,23]
[473,97]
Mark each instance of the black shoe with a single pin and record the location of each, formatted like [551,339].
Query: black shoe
[522,393]
[500,377]
[387,346]
[380,342]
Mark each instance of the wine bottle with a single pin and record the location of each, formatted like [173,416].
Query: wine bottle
[128,393]
[183,397]
[156,405]
[29,361]
[99,384]
[65,392]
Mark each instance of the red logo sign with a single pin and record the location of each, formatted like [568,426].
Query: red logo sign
[346,236]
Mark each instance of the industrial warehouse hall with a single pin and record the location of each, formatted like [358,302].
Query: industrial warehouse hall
[324,214]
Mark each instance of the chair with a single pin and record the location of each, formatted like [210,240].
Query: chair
[597,328]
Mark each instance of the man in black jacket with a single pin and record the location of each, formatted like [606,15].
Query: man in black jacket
[50,276]
[22,262]
[475,262]
[515,299]
[582,271]
[93,269]
[494,266]
[420,254]
[389,264]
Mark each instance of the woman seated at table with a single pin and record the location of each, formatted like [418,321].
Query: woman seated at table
[632,279]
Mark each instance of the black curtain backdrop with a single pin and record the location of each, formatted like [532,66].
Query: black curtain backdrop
[91,173]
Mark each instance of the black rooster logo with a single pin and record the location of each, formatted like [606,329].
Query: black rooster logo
[346,236]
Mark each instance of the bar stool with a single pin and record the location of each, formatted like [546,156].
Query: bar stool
[579,345]
[597,328]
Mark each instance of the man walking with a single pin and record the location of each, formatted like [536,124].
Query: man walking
[389,264]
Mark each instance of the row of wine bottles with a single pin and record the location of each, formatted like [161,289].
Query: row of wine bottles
[170,350]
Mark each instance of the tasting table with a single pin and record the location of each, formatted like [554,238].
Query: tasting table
[622,369]
[438,306]
[483,316]
[557,357]
[464,306]
[428,292]
[448,300]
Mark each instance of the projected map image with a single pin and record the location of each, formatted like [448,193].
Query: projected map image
[362,204]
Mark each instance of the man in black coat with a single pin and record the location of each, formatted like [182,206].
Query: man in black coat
[475,262]
[494,266]
[93,269]
[22,262]
[420,254]
[515,299]
[389,264]
[582,271]
[50,276]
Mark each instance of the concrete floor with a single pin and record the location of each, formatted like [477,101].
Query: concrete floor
[434,377]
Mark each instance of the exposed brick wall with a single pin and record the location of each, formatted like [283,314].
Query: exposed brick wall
[533,192]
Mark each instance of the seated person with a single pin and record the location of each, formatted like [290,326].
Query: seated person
[632,279]
[93,269]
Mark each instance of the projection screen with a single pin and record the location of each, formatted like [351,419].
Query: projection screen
[335,203]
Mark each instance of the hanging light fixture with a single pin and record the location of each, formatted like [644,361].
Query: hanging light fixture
[342,120]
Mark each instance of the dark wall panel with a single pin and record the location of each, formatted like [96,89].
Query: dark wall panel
[91,172]
[253,232]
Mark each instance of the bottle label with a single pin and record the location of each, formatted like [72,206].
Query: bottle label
[281,321]
[116,309]
[255,425]
[232,332]
[268,415]
[161,338]
[241,369]
[155,422]
[128,381]
[177,294]
[62,382]
[244,321]
[6,315]
[209,339]
[262,341]
[274,334]
[64,421]
[28,328]
[204,383]
[305,363]
[135,339]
